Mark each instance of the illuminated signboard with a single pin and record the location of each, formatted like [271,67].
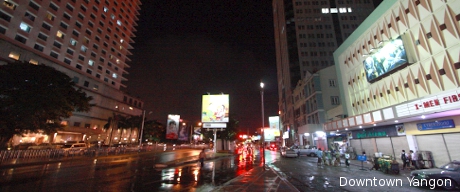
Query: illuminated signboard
[388,57]
[215,108]
[172,126]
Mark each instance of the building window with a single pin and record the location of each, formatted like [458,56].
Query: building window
[46,26]
[24,27]
[67,61]
[57,44]
[54,54]
[91,62]
[89,71]
[20,39]
[69,7]
[14,55]
[76,124]
[332,83]
[38,47]
[60,34]
[73,42]
[75,33]
[95,87]
[42,36]
[335,100]
[29,16]
[70,51]
[33,62]
[33,5]
[50,16]
[63,25]
[53,7]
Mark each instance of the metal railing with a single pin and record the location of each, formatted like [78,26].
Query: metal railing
[38,154]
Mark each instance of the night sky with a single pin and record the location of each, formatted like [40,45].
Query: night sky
[186,48]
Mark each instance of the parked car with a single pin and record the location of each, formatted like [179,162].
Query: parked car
[75,148]
[305,150]
[449,174]
[23,146]
[288,152]
[42,146]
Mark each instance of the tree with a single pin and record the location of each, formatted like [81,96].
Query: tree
[36,98]
[227,134]
[154,131]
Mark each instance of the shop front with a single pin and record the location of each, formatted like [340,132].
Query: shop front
[441,137]
[386,140]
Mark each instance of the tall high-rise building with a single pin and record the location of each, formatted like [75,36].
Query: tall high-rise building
[89,40]
[307,32]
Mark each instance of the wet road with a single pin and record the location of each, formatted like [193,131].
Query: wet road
[305,175]
[126,173]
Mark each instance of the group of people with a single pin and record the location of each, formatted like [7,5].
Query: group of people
[409,159]
[331,158]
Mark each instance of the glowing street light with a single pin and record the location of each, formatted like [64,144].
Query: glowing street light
[263,125]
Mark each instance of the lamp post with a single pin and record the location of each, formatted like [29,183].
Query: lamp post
[142,130]
[263,132]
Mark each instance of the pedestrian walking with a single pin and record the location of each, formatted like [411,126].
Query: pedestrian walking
[337,161]
[202,156]
[347,159]
[329,157]
[413,159]
[404,159]
[319,154]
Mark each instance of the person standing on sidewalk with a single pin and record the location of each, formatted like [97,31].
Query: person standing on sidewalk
[202,156]
[404,159]
[319,154]
[413,159]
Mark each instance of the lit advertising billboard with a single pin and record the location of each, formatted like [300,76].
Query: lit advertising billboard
[274,122]
[183,133]
[215,108]
[270,134]
[172,126]
[387,58]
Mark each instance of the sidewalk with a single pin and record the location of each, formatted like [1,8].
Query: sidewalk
[258,179]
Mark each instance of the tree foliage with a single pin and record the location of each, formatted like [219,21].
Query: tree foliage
[154,131]
[36,98]
[230,133]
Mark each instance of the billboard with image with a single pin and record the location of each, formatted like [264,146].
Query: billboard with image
[172,126]
[387,58]
[215,108]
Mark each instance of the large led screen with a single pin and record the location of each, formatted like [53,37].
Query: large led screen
[215,108]
[389,57]
[172,126]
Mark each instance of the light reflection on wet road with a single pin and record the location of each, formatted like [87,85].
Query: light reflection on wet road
[129,173]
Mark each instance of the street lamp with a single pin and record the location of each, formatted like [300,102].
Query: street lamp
[142,130]
[263,133]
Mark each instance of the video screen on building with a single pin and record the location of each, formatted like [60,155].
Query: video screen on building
[388,57]
[215,108]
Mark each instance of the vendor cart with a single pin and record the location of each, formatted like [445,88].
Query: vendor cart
[388,165]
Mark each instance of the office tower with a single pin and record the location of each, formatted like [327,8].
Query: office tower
[89,40]
[307,32]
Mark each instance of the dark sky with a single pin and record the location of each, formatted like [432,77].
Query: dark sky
[186,48]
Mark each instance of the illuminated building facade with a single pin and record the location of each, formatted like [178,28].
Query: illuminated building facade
[307,32]
[399,79]
[89,40]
